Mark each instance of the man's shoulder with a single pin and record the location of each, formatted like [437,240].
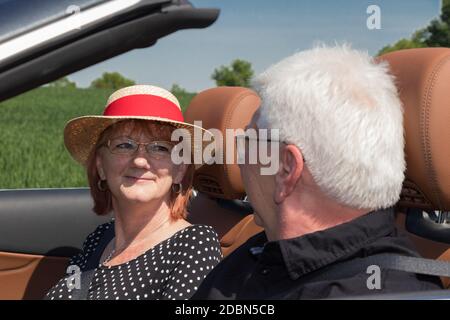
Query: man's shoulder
[366,285]
[253,244]
[221,281]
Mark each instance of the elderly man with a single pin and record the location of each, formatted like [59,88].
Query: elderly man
[341,168]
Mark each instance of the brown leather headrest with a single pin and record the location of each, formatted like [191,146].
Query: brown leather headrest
[423,80]
[222,108]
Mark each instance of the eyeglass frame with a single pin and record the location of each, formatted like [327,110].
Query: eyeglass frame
[247,138]
[107,144]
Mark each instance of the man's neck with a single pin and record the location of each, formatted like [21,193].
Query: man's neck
[308,215]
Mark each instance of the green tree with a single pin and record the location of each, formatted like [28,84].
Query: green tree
[178,90]
[439,29]
[111,80]
[417,41]
[183,96]
[238,74]
[436,34]
[63,83]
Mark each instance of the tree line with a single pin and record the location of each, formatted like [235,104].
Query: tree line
[239,73]
[436,34]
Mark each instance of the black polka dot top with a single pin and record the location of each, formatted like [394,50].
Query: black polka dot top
[172,270]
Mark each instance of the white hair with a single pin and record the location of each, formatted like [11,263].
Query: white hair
[342,110]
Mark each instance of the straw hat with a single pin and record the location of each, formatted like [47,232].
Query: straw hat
[136,102]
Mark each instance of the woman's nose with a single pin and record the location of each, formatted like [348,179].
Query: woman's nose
[140,159]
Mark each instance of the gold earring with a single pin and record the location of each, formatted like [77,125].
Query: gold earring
[100,186]
[178,187]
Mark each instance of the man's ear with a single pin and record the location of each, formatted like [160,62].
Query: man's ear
[289,173]
[100,170]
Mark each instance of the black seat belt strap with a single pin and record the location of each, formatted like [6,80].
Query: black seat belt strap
[386,261]
[91,265]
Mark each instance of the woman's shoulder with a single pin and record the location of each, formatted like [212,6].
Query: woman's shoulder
[197,240]
[96,235]
[197,235]
[198,231]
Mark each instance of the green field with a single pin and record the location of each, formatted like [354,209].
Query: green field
[31,129]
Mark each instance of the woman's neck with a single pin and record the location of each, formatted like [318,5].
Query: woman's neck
[135,223]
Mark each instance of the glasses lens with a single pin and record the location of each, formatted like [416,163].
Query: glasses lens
[247,149]
[241,148]
[160,149]
[122,145]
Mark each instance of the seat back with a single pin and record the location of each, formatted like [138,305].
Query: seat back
[423,80]
[219,185]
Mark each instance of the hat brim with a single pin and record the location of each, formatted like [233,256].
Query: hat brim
[81,134]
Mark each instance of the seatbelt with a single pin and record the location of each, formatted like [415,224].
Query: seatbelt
[385,261]
[91,265]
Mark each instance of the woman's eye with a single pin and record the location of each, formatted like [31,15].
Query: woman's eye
[159,148]
[124,145]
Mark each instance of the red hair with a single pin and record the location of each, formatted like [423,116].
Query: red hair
[103,199]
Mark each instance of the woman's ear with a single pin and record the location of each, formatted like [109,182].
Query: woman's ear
[100,170]
[180,173]
[289,173]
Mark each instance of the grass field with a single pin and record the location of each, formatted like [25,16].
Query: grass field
[31,129]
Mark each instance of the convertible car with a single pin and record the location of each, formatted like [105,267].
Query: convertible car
[41,228]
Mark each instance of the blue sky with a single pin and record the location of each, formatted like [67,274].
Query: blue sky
[263,32]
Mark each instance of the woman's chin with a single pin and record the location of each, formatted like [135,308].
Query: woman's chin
[138,194]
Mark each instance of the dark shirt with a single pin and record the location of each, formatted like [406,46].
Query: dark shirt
[171,270]
[290,269]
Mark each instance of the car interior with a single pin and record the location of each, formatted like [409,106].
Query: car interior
[40,229]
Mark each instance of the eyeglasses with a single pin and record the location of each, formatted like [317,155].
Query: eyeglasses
[242,144]
[246,138]
[125,146]
[243,140]
[251,148]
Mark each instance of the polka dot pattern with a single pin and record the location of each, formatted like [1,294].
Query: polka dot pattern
[172,270]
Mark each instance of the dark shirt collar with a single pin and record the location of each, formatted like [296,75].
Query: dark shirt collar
[316,250]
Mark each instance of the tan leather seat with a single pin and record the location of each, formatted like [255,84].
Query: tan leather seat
[423,80]
[222,108]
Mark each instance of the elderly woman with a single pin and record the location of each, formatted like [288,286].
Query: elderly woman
[148,250]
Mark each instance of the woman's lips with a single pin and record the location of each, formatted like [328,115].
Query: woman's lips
[138,179]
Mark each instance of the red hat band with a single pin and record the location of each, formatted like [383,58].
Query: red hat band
[144,105]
